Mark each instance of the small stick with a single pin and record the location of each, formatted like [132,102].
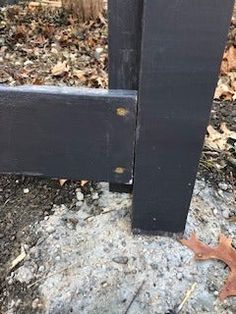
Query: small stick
[102,213]
[187,296]
[51,275]
[134,297]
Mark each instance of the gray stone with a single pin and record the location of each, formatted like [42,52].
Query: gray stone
[79,196]
[50,229]
[226,213]
[120,259]
[95,196]
[223,186]
[24,274]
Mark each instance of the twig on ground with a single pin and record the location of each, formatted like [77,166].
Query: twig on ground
[134,297]
[102,213]
[186,298]
[51,275]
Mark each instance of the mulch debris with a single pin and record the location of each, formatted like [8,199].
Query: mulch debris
[50,47]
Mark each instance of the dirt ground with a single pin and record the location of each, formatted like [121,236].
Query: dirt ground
[75,262]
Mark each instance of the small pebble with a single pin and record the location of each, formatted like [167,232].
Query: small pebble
[79,203]
[179,276]
[10,281]
[120,259]
[50,229]
[215,211]
[41,268]
[95,196]
[223,186]
[26,191]
[79,196]
[36,304]
[154,266]
[28,62]
[98,52]
[226,214]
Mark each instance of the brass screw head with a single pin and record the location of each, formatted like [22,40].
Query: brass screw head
[119,170]
[122,112]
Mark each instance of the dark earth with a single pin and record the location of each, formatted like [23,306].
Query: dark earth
[27,200]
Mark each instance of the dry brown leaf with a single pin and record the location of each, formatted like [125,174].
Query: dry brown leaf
[62,181]
[80,75]
[230,56]
[44,3]
[60,69]
[223,91]
[84,182]
[223,252]
[233,85]
[218,141]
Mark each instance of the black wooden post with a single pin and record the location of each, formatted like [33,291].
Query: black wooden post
[182,46]
[125,29]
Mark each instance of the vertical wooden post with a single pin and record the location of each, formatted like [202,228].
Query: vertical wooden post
[125,28]
[182,47]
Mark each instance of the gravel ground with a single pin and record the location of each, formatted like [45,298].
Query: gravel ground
[86,260]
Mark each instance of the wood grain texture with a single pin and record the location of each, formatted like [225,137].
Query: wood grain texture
[182,47]
[125,28]
[67,132]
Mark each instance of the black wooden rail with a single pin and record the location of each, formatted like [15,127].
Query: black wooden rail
[146,132]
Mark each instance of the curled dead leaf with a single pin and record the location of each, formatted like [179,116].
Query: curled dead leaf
[230,57]
[83,182]
[224,91]
[217,140]
[80,75]
[62,181]
[60,69]
[223,252]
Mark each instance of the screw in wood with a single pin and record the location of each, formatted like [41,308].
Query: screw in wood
[121,111]
[119,170]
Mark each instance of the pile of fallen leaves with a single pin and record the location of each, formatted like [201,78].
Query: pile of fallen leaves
[218,161]
[50,47]
[226,88]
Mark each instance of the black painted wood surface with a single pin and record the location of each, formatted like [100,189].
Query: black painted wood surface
[66,132]
[183,43]
[125,28]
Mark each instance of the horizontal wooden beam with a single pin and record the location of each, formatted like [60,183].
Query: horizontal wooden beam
[66,132]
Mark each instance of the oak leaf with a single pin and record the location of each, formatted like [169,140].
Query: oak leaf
[223,252]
